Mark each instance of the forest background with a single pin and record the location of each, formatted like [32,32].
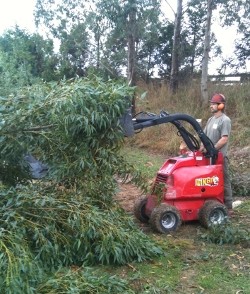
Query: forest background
[61,232]
[55,27]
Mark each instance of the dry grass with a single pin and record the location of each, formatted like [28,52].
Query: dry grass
[164,139]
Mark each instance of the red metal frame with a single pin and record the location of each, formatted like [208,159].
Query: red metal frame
[186,182]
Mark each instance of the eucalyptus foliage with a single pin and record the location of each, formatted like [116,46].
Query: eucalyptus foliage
[68,218]
[73,126]
[25,59]
[44,230]
[85,280]
[19,270]
[227,234]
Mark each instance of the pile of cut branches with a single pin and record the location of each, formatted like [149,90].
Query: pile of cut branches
[67,218]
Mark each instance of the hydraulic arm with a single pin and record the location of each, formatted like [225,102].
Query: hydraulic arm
[130,125]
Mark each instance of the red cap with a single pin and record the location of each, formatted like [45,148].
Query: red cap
[218,98]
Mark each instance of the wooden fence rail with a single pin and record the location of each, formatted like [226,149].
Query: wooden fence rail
[230,78]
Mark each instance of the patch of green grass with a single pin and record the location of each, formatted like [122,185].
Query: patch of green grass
[189,267]
[164,272]
[226,271]
[147,163]
[160,275]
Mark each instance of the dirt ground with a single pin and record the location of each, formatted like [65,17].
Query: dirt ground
[129,193]
[127,196]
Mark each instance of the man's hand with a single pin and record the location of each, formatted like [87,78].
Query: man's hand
[203,149]
[183,148]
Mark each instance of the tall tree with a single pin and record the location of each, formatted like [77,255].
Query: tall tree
[164,45]
[73,51]
[131,72]
[187,56]
[154,51]
[237,13]
[131,42]
[194,29]
[130,20]
[209,37]
[176,48]
[204,73]
[25,58]
[122,26]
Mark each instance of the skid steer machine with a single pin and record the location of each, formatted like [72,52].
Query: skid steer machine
[187,187]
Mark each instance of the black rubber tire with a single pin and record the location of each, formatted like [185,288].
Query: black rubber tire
[139,209]
[165,218]
[213,213]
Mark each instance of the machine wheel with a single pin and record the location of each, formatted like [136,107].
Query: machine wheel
[139,209]
[165,218]
[213,213]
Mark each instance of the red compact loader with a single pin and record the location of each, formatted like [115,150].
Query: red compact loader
[187,187]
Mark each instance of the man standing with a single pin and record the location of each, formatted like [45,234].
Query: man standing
[218,130]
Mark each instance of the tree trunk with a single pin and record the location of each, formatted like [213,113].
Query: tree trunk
[131,49]
[205,59]
[193,57]
[98,37]
[174,79]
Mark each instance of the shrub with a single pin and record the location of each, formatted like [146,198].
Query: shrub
[69,217]
[241,183]
[226,234]
[84,280]
[42,231]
